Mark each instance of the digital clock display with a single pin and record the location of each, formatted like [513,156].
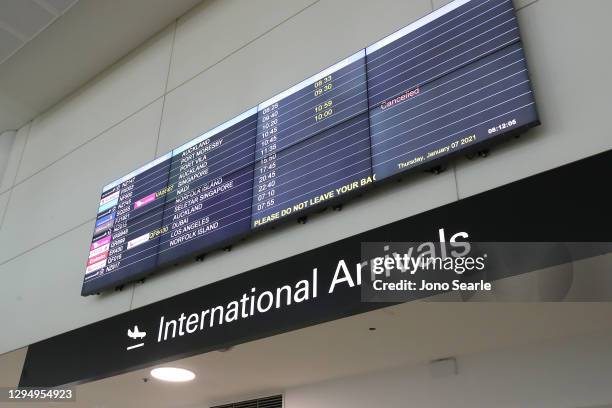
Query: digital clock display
[503,127]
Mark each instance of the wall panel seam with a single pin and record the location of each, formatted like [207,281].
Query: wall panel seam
[4,166]
[527,5]
[454,167]
[62,157]
[89,221]
[10,190]
[8,195]
[258,37]
[12,183]
[161,117]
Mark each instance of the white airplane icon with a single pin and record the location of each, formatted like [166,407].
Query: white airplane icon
[136,334]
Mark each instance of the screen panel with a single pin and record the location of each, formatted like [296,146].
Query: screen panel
[447,85]
[310,147]
[322,101]
[211,183]
[324,167]
[453,113]
[126,233]
[419,54]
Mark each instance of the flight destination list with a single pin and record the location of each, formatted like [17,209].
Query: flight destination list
[441,85]
[211,179]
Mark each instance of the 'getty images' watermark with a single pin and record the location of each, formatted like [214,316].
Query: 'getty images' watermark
[405,271]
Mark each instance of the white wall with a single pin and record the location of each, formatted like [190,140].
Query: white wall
[6,143]
[218,60]
[573,373]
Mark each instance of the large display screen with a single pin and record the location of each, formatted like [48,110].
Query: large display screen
[451,82]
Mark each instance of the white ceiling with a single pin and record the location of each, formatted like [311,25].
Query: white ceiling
[22,20]
[407,334]
[50,48]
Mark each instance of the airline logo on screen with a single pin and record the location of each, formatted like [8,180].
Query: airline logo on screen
[109,201]
[144,201]
[104,223]
[138,241]
[152,197]
[98,254]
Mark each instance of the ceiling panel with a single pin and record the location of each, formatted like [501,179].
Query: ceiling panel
[87,37]
[8,43]
[59,5]
[24,16]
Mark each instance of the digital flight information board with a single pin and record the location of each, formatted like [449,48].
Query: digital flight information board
[452,82]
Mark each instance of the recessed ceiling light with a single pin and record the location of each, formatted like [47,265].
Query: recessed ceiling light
[172,374]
